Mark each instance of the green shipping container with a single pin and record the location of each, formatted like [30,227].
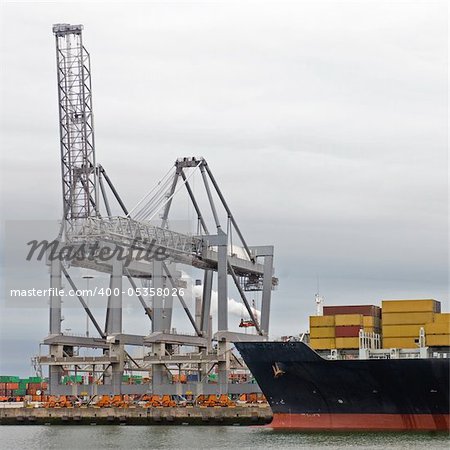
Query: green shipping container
[35,380]
[9,379]
[20,392]
[72,379]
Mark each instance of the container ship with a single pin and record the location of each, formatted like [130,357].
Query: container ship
[360,368]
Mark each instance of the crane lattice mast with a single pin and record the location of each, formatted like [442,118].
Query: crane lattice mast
[79,179]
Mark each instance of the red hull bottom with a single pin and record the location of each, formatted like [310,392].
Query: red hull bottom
[423,422]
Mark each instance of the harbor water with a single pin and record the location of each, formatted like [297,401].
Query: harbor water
[206,437]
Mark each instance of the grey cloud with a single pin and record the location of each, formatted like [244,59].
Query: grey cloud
[325,125]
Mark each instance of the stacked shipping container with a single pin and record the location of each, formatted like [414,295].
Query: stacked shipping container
[402,320]
[132,379]
[13,387]
[347,330]
[339,326]
[438,332]
[8,385]
[399,324]
[322,334]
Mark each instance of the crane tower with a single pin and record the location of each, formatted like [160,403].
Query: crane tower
[76,125]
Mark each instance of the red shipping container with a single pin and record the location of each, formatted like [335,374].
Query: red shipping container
[365,310]
[12,386]
[347,331]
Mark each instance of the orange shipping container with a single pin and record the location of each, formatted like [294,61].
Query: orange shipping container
[401,306]
[321,321]
[322,343]
[349,320]
[437,328]
[399,342]
[372,330]
[442,318]
[407,318]
[438,340]
[401,330]
[374,322]
[347,342]
[322,332]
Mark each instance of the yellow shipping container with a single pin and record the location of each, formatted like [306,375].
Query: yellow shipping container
[321,321]
[401,330]
[397,306]
[399,342]
[322,332]
[348,320]
[407,318]
[370,321]
[322,343]
[347,342]
[372,330]
[442,318]
[437,328]
[438,340]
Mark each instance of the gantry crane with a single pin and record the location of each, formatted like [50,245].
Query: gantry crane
[88,221]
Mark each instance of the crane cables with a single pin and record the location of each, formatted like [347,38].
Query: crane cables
[160,199]
[161,186]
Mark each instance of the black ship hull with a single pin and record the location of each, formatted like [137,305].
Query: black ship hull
[306,391]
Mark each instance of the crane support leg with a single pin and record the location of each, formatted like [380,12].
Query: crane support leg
[206,301]
[266,293]
[114,325]
[55,372]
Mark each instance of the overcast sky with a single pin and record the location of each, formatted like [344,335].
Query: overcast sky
[325,124]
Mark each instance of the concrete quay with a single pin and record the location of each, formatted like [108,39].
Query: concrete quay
[196,415]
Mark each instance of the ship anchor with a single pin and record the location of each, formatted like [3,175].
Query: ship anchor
[277,372]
